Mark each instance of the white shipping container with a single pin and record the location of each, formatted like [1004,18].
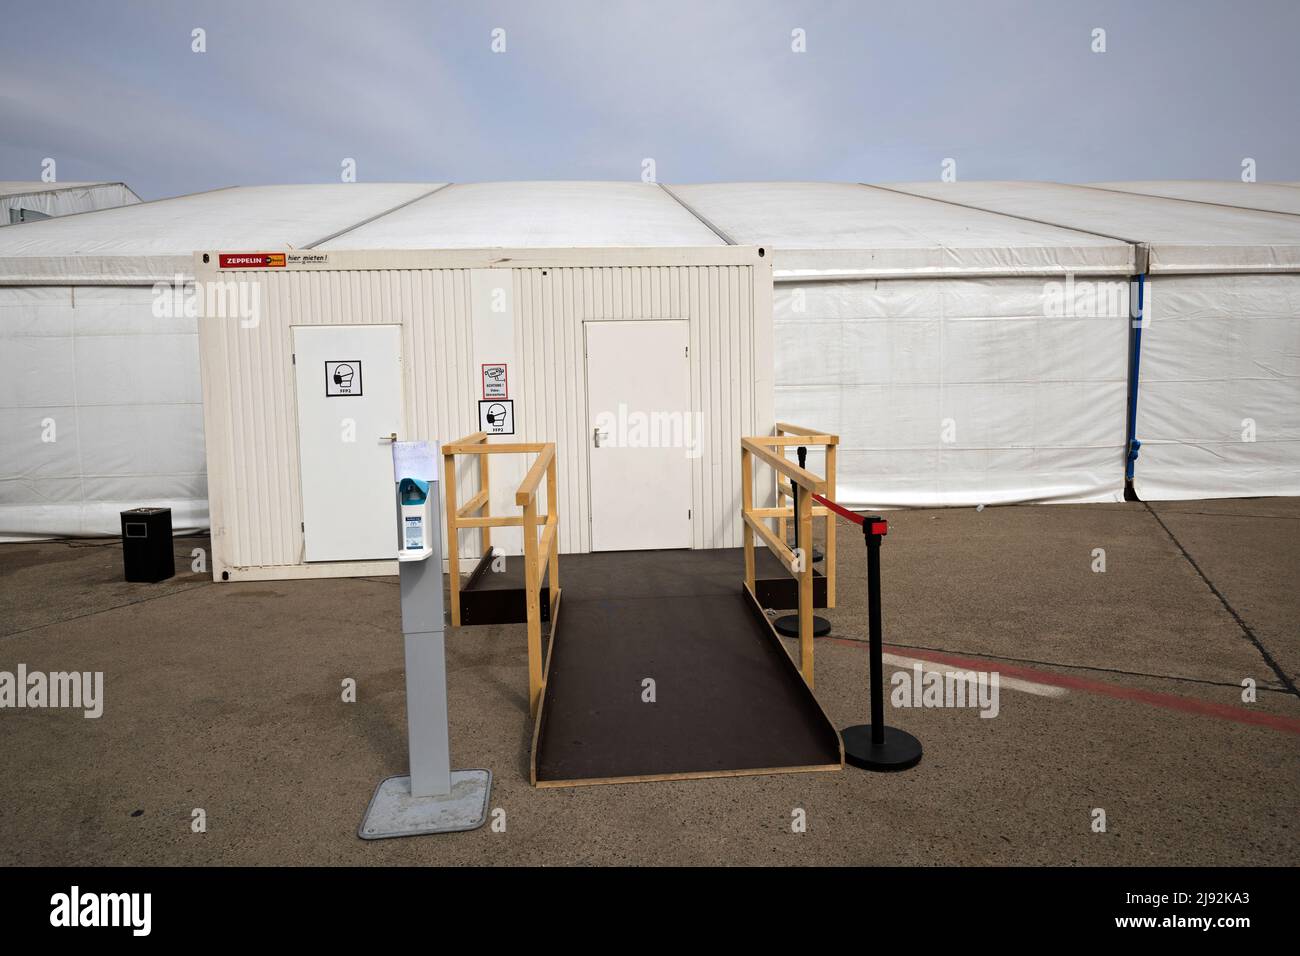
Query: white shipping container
[451,312]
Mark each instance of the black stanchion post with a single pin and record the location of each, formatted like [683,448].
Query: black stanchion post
[788,624]
[876,746]
[802,452]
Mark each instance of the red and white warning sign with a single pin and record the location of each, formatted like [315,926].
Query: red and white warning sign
[495,381]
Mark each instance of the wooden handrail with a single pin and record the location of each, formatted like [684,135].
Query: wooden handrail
[803,478]
[787,436]
[819,511]
[775,544]
[528,487]
[789,441]
[548,539]
[754,519]
[480,449]
[540,533]
[789,429]
[496,521]
[784,490]
[474,504]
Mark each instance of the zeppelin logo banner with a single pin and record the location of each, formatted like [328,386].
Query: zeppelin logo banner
[253,260]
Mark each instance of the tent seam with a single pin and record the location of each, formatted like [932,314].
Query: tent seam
[379,215]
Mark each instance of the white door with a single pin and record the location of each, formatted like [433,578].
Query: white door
[640,434]
[349,380]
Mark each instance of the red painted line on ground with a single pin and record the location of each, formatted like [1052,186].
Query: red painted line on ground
[1186,705]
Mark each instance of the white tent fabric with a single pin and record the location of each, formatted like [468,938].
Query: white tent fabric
[921,330]
[61,199]
[924,335]
[1270,197]
[99,411]
[1219,381]
[825,230]
[1218,410]
[154,241]
[534,215]
[99,395]
[1181,237]
[955,391]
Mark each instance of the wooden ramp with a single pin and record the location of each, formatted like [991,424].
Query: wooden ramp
[729,701]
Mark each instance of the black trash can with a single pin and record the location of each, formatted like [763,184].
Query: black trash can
[147,544]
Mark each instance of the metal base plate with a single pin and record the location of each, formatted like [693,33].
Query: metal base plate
[788,626]
[393,812]
[899,751]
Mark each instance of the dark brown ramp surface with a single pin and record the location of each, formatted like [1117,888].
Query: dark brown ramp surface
[728,699]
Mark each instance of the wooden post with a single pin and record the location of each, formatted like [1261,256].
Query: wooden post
[485,485]
[746,505]
[532,586]
[830,527]
[553,514]
[781,529]
[803,509]
[453,538]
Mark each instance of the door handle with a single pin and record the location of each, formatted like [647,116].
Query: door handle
[392,436]
[597,435]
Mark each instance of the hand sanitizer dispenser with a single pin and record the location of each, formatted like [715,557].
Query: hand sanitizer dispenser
[417,521]
[431,797]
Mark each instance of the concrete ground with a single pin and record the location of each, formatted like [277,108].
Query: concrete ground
[227,698]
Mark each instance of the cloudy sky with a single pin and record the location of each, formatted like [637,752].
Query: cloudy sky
[587,90]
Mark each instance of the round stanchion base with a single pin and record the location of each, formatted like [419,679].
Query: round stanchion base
[900,750]
[788,626]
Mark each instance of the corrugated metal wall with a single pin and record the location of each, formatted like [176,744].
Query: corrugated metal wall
[250,400]
[550,311]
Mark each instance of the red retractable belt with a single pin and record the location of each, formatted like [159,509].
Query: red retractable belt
[877,527]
